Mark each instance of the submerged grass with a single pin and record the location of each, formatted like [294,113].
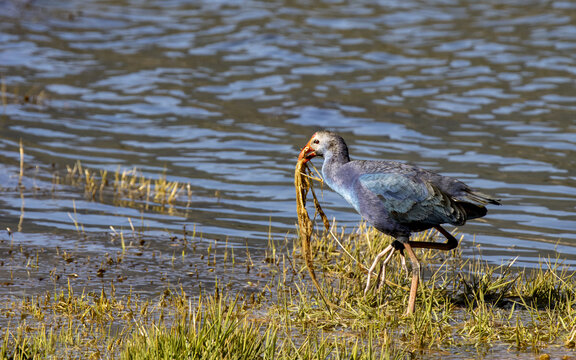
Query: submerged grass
[19,95]
[128,187]
[465,306]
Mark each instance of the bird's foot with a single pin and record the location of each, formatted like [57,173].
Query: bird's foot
[389,249]
[382,275]
[388,252]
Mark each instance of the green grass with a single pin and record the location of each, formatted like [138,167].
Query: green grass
[215,328]
[128,187]
[464,306]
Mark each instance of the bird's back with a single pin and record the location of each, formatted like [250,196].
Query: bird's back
[398,198]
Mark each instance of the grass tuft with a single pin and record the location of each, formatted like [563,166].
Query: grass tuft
[129,187]
[216,328]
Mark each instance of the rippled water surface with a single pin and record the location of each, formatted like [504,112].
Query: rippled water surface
[221,95]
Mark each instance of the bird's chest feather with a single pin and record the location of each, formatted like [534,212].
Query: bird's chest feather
[344,182]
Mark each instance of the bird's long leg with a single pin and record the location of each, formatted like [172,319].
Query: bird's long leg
[415,277]
[452,243]
[409,245]
[403,260]
[388,249]
[404,243]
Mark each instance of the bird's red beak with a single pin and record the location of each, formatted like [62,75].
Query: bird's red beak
[306,153]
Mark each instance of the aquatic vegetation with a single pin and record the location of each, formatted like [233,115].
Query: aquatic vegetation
[19,95]
[129,187]
[465,306]
[303,185]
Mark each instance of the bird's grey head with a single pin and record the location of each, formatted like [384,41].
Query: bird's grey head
[322,143]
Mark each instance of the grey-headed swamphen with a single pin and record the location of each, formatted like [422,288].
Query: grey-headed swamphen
[397,199]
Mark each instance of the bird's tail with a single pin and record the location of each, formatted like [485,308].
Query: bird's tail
[476,209]
[472,211]
[481,198]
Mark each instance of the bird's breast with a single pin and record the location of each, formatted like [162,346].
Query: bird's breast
[345,185]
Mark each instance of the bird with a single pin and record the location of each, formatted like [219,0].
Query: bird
[397,199]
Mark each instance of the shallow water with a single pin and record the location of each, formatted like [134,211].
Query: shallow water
[222,95]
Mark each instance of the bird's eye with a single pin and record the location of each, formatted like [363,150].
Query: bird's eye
[316,141]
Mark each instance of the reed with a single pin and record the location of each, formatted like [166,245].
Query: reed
[303,185]
[129,187]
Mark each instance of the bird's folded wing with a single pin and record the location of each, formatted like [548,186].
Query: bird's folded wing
[410,199]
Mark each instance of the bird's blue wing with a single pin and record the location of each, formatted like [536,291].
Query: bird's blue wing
[410,199]
[398,192]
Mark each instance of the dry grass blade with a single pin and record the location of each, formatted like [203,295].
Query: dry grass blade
[303,184]
[21,163]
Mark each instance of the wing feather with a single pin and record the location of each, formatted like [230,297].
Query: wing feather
[412,200]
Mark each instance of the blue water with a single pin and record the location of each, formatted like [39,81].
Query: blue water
[222,95]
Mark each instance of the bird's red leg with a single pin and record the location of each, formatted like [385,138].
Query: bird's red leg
[415,277]
[452,243]
[408,246]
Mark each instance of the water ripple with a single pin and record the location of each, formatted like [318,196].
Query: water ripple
[221,95]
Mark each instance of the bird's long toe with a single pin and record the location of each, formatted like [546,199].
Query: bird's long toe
[382,275]
[388,249]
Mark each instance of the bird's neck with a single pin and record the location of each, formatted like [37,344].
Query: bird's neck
[335,158]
